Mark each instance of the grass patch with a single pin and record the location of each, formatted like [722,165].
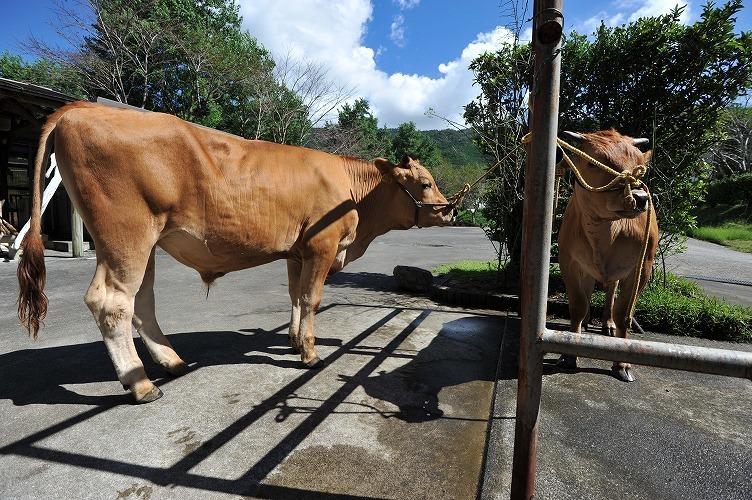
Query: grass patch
[670,304]
[737,235]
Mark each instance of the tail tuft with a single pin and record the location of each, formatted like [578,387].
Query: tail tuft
[32,274]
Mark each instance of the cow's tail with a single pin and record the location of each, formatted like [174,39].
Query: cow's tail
[32,301]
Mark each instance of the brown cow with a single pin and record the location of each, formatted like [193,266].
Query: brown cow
[602,234]
[216,203]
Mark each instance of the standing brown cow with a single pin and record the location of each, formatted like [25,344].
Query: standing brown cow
[216,203]
[602,235]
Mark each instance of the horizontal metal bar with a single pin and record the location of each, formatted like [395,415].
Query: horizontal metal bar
[642,352]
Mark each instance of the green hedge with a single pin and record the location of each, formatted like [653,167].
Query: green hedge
[730,190]
[683,308]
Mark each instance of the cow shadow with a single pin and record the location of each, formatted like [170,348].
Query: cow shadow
[39,376]
[377,282]
[464,350]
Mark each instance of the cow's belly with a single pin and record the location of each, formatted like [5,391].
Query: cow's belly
[194,252]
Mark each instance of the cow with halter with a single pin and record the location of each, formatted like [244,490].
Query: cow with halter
[216,203]
[609,233]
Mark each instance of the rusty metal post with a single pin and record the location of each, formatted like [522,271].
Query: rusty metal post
[643,352]
[536,238]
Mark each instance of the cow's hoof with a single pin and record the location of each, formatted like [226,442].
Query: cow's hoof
[567,362]
[314,364]
[150,396]
[178,369]
[294,346]
[623,373]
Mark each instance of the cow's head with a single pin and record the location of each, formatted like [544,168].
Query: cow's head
[622,154]
[415,183]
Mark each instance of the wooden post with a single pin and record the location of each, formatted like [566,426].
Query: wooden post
[77,233]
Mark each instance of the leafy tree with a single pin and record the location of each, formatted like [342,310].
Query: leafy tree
[497,117]
[356,133]
[665,81]
[192,59]
[408,139]
[733,154]
[653,78]
[41,72]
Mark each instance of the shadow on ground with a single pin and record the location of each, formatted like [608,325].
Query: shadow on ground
[453,357]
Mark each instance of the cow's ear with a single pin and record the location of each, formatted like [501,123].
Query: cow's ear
[646,156]
[573,136]
[384,165]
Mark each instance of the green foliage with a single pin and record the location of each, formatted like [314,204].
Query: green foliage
[653,78]
[189,58]
[669,304]
[737,235]
[467,267]
[408,139]
[730,190]
[733,154]
[41,72]
[497,117]
[359,120]
[665,81]
[456,147]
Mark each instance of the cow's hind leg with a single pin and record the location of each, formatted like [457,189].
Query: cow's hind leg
[608,327]
[145,322]
[293,286]
[579,290]
[110,298]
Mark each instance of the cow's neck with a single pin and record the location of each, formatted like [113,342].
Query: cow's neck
[598,232]
[375,198]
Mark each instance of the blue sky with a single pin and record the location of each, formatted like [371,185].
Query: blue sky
[403,55]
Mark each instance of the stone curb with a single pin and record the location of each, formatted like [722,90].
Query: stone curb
[496,301]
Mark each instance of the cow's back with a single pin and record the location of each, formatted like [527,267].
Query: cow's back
[218,202]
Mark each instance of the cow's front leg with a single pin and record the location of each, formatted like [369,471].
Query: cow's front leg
[579,287]
[313,273]
[608,327]
[622,320]
[293,286]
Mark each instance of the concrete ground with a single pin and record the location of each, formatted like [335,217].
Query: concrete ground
[668,435]
[401,411]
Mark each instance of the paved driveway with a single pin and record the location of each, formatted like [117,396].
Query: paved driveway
[401,411]
[709,265]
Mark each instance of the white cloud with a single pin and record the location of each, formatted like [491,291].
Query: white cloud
[331,33]
[406,4]
[397,33]
[649,8]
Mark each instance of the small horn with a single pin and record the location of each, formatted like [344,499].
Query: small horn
[640,141]
[574,136]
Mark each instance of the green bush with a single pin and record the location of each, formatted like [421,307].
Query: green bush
[682,308]
[730,190]
[669,304]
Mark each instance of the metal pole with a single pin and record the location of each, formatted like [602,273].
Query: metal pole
[642,352]
[536,239]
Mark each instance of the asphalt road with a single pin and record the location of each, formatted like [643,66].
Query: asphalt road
[707,264]
[401,411]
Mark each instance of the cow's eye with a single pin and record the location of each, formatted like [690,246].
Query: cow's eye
[426,185]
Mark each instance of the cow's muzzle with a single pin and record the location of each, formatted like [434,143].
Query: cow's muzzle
[641,199]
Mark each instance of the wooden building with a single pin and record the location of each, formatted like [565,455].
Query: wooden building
[24,108]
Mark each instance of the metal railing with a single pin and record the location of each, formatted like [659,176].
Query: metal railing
[535,339]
